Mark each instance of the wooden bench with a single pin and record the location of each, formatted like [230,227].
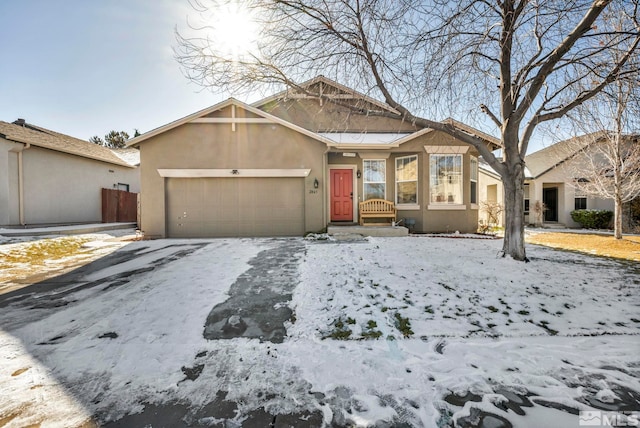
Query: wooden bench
[377,208]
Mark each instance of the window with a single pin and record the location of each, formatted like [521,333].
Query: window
[374,179]
[474,180]
[407,180]
[526,199]
[580,203]
[445,180]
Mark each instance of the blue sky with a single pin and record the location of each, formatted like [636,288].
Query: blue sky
[84,67]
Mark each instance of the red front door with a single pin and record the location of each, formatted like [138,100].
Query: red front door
[341,195]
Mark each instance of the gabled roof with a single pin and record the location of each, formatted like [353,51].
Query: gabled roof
[345,140]
[26,133]
[495,142]
[548,158]
[229,102]
[324,80]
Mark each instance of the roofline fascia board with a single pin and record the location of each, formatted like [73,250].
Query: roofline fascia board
[357,146]
[413,136]
[235,173]
[69,152]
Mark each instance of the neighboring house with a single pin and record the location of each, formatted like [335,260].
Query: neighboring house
[491,192]
[51,178]
[296,161]
[549,175]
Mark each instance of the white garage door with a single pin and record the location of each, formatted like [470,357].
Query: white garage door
[228,207]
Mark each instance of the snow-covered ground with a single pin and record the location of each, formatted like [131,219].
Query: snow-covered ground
[419,330]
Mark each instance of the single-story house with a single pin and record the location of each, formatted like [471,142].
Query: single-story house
[51,178]
[549,179]
[298,161]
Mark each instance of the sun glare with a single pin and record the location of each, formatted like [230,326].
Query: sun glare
[235,30]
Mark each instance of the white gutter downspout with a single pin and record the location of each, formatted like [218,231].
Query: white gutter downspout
[21,184]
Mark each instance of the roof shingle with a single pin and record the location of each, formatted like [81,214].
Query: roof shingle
[45,138]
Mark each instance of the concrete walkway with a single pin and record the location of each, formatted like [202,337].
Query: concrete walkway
[257,304]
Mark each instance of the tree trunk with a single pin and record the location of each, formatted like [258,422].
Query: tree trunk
[617,217]
[514,212]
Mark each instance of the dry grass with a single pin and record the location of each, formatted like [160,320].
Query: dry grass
[40,259]
[627,248]
[40,252]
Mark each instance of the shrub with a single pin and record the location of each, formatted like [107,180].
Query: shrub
[592,219]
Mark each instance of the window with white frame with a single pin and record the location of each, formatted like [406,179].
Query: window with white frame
[407,180]
[580,203]
[474,180]
[445,179]
[580,198]
[374,179]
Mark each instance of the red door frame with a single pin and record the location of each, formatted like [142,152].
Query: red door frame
[341,194]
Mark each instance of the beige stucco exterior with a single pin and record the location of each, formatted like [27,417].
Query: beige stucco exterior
[285,138]
[428,217]
[57,187]
[218,146]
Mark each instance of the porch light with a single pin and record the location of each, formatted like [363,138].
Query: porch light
[316,184]
[359,174]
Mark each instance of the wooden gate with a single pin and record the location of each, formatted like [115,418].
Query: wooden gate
[119,206]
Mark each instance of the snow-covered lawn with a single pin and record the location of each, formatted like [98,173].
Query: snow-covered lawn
[419,330]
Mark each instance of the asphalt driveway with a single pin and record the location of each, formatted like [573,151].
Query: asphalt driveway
[409,331]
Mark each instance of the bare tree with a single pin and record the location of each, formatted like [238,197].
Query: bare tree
[519,62]
[606,163]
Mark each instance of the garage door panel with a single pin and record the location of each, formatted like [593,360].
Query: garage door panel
[226,207]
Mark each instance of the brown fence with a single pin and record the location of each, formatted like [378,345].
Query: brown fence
[119,206]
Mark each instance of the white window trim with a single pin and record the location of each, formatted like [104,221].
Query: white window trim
[417,180]
[461,206]
[408,207]
[374,182]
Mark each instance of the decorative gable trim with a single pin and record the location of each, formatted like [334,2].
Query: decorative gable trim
[348,93]
[197,117]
